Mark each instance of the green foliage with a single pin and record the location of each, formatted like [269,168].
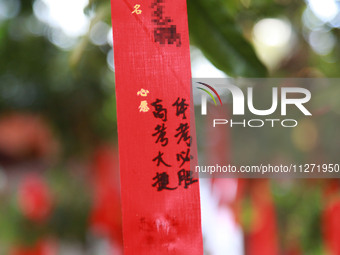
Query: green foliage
[298,208]
[70,219]
[221,40]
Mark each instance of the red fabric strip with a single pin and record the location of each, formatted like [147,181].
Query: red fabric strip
[160,198]
[262,238]
[330,217]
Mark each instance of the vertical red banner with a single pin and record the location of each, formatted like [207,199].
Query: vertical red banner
[160,196]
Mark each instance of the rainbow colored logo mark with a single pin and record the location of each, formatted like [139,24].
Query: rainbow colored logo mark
[209,93]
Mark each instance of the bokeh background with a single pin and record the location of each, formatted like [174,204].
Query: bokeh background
[59,184]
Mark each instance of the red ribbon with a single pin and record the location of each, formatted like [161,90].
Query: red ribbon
[160,197]
[262,239]
[106,212]
[330,218]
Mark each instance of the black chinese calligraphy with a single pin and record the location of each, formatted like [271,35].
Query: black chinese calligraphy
[181,107]
[186,177]
[183,133]
[160,112]
[183,157]
[164,32]
[161,133]
[159,159]
[162,182]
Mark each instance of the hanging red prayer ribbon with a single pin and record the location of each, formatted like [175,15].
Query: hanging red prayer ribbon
[262,239]
[160,197]
[106,212]
[330,218]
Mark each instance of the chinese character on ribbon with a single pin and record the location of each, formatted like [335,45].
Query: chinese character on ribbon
[162,182]
[136,9]
[143,106]
[143,92]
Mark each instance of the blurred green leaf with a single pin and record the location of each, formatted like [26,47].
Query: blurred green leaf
[220,39]
[102,13]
